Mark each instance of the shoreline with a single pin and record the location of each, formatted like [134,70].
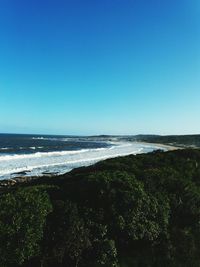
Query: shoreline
[6,183]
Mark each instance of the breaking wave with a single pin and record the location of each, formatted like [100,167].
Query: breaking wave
[62,161]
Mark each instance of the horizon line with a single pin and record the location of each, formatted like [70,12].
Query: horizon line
[99,135]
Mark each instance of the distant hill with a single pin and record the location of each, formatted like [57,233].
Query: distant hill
[192,141]
[178,140]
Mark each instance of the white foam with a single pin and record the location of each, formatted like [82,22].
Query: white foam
[63,161]
[46,154]
[49,138]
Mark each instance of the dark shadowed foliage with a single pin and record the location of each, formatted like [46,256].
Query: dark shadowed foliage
[134,211]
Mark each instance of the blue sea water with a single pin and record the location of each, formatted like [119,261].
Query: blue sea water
[26,144]
[30,155]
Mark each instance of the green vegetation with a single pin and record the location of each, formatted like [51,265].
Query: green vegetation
[22,219]
[133,211]
[192,141]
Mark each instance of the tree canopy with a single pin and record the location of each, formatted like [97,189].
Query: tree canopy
[131,211]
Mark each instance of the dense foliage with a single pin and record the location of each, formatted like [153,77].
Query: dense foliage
[133,211]
[22,219]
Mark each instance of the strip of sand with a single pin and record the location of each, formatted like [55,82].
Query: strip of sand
[165,147]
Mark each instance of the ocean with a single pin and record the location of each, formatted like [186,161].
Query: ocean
[35,155]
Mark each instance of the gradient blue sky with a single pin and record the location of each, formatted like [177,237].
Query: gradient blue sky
[100,66]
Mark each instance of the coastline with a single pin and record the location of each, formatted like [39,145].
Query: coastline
[6,183]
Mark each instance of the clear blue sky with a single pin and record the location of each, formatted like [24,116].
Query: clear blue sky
[100,66]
